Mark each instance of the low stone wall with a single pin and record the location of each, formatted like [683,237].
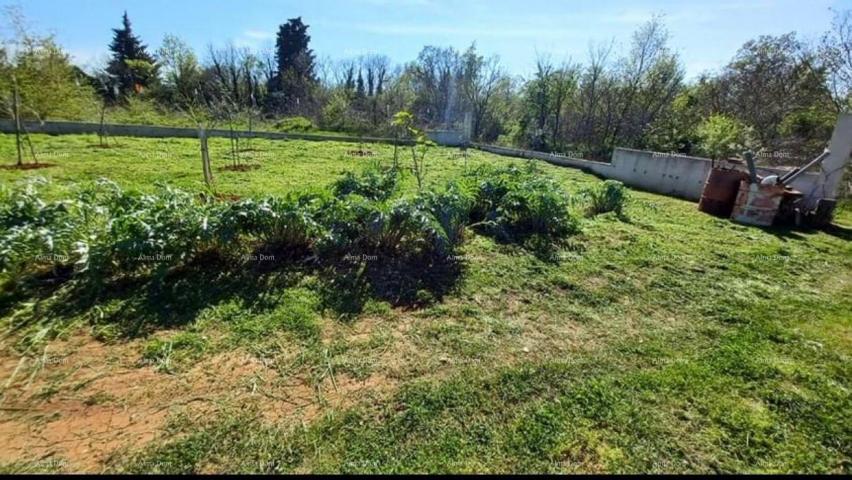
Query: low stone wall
[674,175]
[448,138]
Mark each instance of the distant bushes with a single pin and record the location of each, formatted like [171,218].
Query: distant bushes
[103,232]
[374,183]
[294,124]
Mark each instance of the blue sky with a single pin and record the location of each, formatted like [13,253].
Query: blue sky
[705,33]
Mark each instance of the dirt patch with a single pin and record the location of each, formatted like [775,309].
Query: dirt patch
[227,197]
[28,166]
[84,401]
[360,153]
[239,168]
[222,197]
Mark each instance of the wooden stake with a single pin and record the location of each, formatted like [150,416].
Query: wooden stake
[205,156]
[16,111]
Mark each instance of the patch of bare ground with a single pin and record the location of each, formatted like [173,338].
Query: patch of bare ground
[360,153]
[239,168]
[85,400]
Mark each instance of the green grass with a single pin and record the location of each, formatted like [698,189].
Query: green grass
[660,340]
[285,165]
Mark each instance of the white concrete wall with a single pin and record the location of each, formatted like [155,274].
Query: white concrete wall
[674,175]
[680,175]
[677,176]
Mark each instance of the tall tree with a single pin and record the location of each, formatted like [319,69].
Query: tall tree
[131,64]
[292,86]
[769,79]
[836,55]
[180,71]
[480,80]
[434,80]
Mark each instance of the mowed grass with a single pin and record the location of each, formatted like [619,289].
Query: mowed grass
[139,164]
[666,340]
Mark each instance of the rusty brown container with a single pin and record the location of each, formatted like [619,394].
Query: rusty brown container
[720,191]
[757,204]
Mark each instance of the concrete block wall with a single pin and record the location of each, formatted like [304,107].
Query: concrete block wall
[447,138]
[673,175]
[679,175]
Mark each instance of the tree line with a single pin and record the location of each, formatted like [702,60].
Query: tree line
[778,95]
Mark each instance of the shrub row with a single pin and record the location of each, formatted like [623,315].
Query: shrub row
[102,231]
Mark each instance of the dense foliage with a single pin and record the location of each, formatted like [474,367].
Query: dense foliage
[103,232]
[608,196]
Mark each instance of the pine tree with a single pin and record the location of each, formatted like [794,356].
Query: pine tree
[132,66]
[291,88]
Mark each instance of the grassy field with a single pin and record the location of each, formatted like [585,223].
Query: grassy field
[664,340]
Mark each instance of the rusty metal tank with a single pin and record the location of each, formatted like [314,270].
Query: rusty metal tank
[757,204]
[720,191]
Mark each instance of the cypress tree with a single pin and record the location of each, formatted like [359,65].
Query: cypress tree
[292,85]
[131,64]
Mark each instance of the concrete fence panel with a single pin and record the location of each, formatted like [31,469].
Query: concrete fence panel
[668,174]
[447,138]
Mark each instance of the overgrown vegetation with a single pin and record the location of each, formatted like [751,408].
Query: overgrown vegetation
[608,196]
[104,233]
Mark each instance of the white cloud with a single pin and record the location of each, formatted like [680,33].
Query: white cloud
[258,34]
[253,39]
[473,31]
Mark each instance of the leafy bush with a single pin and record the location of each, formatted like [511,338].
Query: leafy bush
[287,223]
[452,210]
[104,232]
[294,124]
[373,183]
[535,206]
[357,226]
[490,186]
[515,203]
[38,234]
[609,196]
[152,232]
[407,228]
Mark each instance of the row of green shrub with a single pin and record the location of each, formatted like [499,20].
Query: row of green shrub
[104,232]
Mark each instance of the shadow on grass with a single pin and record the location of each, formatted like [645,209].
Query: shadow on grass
[785,232]
[406,282]
[150,303]
[843,233]
[176,298]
